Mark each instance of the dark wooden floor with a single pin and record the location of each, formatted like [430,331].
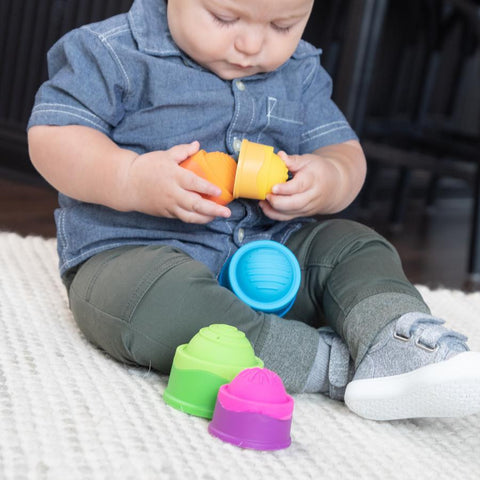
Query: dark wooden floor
[433,244]
[27,205]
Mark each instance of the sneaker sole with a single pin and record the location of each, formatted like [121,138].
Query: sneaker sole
[445,389]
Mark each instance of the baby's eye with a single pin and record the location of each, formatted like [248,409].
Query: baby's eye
[280,28]
[223,20]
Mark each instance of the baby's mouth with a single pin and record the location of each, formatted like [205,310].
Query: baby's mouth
[242,67]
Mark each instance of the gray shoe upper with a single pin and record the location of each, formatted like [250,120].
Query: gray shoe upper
[413,341]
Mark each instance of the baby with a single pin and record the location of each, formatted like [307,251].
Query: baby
[141,244]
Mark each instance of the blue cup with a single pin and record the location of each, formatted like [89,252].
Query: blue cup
[265,275]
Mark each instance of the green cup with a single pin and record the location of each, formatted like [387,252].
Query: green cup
[212,358]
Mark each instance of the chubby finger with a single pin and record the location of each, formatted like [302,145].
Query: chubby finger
[287,188]
[275,214]
[292,162]
[297,204]
[200,206]
[181,152]
[298,184]
[188,216]
[194,183]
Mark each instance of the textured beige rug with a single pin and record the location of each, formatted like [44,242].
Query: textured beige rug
[67,411]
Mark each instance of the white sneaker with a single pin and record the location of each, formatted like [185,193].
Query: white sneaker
[416,368]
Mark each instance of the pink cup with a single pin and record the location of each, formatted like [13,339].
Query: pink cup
[253,411]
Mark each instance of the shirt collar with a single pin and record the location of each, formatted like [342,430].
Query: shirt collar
[148,22]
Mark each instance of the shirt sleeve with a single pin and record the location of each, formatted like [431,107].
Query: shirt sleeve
[324,123]
[85,85]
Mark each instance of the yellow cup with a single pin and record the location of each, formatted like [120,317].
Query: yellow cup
[258,170]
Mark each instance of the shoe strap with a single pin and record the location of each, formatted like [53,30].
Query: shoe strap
[430,330]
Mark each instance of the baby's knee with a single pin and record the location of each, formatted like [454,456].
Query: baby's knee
[334,240]
[183,300]
[157,300]
[140,304]
[353,230]
[157,316]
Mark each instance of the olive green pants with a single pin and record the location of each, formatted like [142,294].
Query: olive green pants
[138,303]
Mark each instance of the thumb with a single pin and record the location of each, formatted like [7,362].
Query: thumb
[181,152]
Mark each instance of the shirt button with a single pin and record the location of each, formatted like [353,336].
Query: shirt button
[240,85]
[240,235]
[237,144]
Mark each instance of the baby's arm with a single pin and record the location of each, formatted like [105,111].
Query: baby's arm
[85,164]
[324,182]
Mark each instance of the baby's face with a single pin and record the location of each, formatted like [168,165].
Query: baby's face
[238,38]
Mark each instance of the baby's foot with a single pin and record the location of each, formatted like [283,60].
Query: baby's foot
[333,366]
[416,368]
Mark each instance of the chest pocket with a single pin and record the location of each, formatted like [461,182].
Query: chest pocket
[284,121]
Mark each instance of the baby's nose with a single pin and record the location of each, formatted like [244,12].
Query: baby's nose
[250,41]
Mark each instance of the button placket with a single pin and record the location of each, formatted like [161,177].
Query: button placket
[243,116]
[240,234]
[237,144]
[240,85]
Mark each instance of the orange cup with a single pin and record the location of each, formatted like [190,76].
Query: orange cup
[216,167]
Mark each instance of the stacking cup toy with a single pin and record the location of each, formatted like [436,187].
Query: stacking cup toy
[216,167]
[264,274]
[253,411]
[258,170]
[213,357]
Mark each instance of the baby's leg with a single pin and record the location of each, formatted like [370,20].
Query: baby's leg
[139,303]
[407,364]
[352,280]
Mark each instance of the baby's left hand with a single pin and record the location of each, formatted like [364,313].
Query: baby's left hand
[324,182]
[306,194]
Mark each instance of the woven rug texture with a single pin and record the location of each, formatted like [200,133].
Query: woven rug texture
[68,411]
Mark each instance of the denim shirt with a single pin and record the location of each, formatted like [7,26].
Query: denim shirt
[126,77]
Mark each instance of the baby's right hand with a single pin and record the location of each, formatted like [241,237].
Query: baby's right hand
[155,184]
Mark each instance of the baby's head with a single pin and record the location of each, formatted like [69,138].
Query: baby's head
[238,38]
